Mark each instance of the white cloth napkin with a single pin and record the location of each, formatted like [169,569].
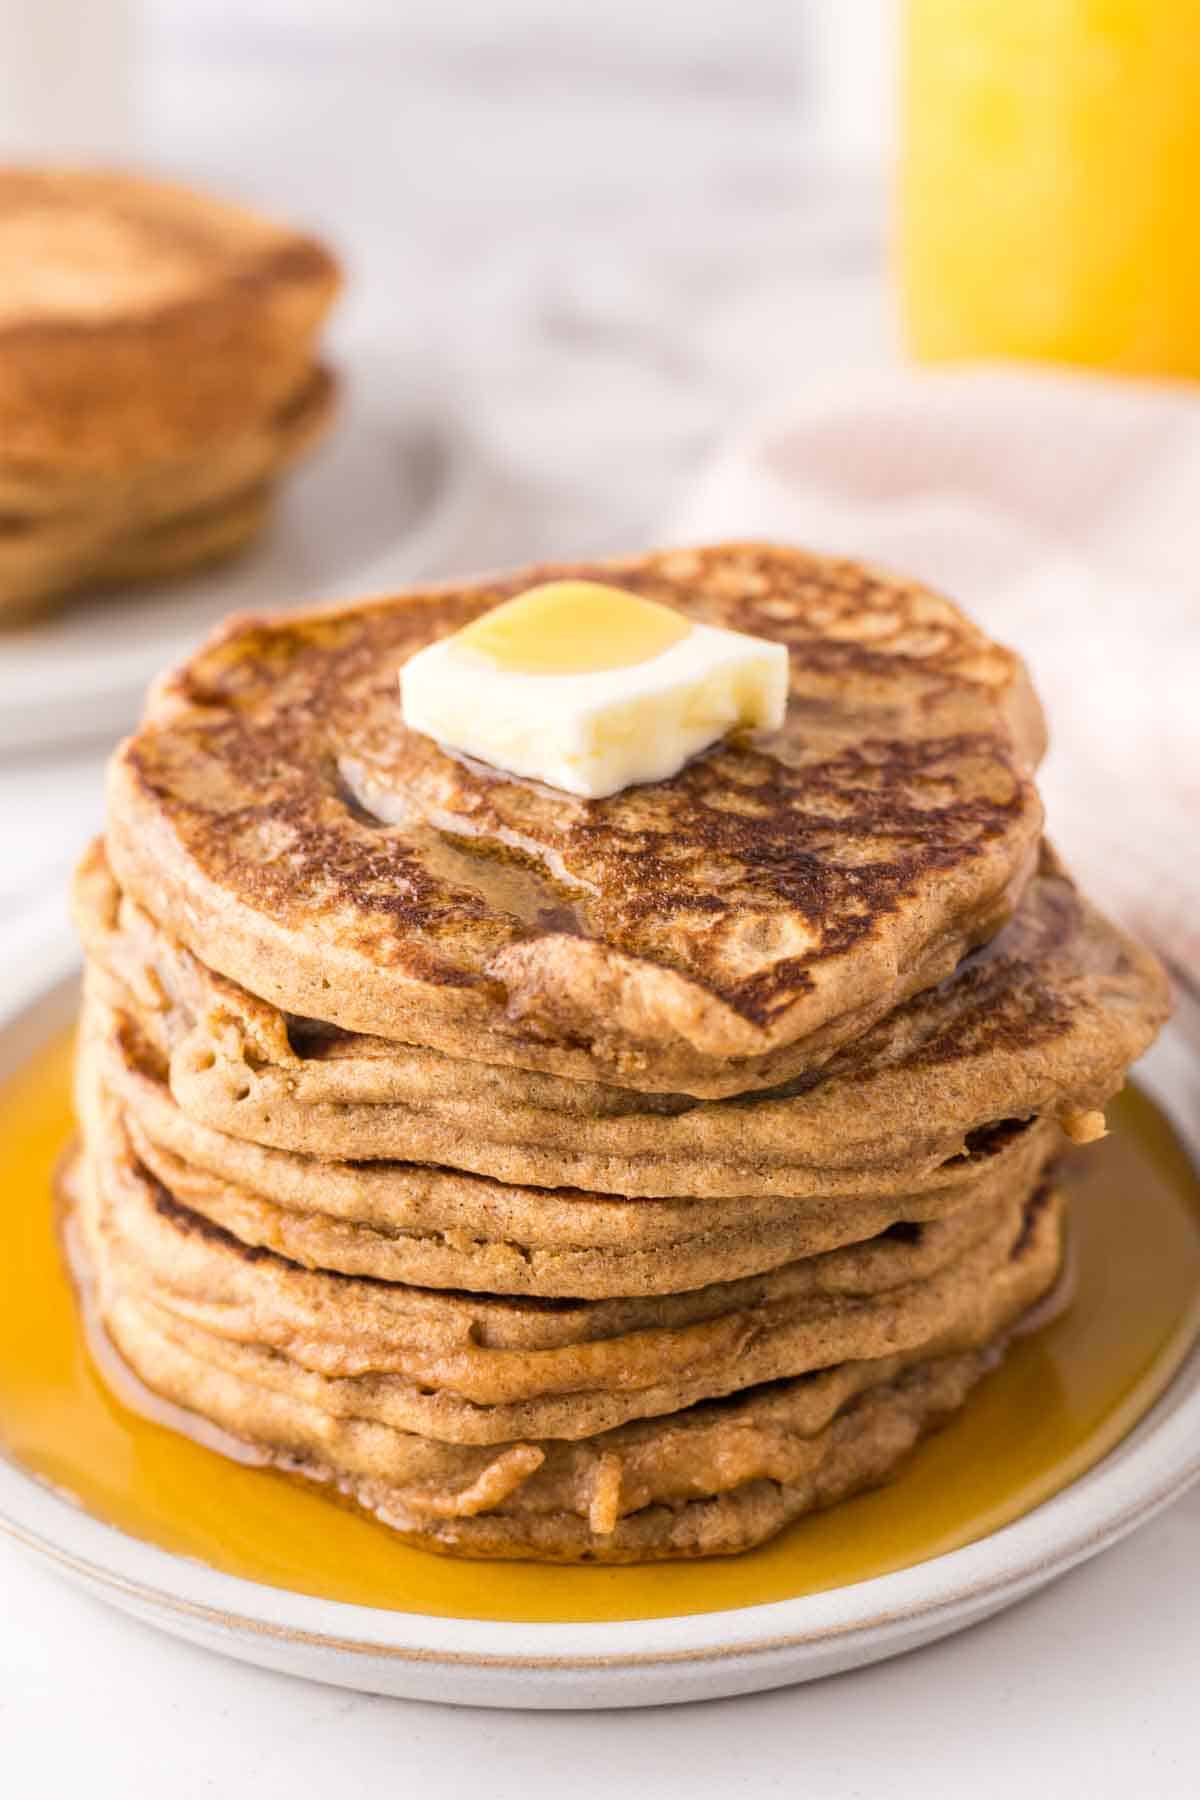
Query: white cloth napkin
[1064,512]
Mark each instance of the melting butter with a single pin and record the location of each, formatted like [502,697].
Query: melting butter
[590,688]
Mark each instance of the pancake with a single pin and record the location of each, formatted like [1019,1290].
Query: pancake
[440,1228]
[584,1180]
[477,1368]
[711,1479]
[31,577]
[1042,1023]
[140,322]
[178,546]
[719,932]
[164,523]
[52,503]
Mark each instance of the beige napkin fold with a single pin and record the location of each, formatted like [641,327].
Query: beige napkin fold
[1063,510]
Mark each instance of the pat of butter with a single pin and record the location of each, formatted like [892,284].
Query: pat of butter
[590,688]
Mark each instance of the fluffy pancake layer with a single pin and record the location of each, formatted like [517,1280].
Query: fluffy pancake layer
[719,932]
[482,1368]
[416,1222]
[509,1369]
[158,523]
[709,1478]
[1042,1024]
[52,503]
[158,375]
[142,323]
[585,1181]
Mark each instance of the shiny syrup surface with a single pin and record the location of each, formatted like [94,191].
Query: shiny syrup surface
[1063,1397]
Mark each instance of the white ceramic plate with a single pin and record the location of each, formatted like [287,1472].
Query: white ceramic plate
[640,1663]
[385,499]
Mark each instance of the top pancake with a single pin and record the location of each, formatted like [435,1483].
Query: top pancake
[139,321]
[711,934]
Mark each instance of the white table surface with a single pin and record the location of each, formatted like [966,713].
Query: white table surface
[594,275]
[1087,1689]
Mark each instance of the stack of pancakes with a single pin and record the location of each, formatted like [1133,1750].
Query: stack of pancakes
[158,374]
[587,1180]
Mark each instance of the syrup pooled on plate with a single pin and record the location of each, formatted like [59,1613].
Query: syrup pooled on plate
[1065,1394]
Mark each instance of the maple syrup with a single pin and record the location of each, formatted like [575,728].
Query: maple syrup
[1065,1395]
[573,628]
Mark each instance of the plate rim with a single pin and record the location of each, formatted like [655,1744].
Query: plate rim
[1153,1465]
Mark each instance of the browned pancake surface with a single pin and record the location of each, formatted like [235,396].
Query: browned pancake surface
[1042,1022]
[140,320]
[712,1478]
[711,933]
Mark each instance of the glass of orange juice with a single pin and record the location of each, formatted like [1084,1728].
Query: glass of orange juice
[1049,181]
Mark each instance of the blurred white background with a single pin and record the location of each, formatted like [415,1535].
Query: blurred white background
[591,235]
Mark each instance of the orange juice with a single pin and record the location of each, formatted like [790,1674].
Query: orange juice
[1050,182]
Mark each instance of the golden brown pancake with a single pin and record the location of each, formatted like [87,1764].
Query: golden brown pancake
[711,1479]
[32,579]
[585,1180]
[717,932]
[163,524]
[51,503]
[471,1368]
[141,322]
[1044,1022]
[435,1227]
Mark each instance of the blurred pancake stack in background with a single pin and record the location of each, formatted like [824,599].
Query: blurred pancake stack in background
[600,1180]
[159,371]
